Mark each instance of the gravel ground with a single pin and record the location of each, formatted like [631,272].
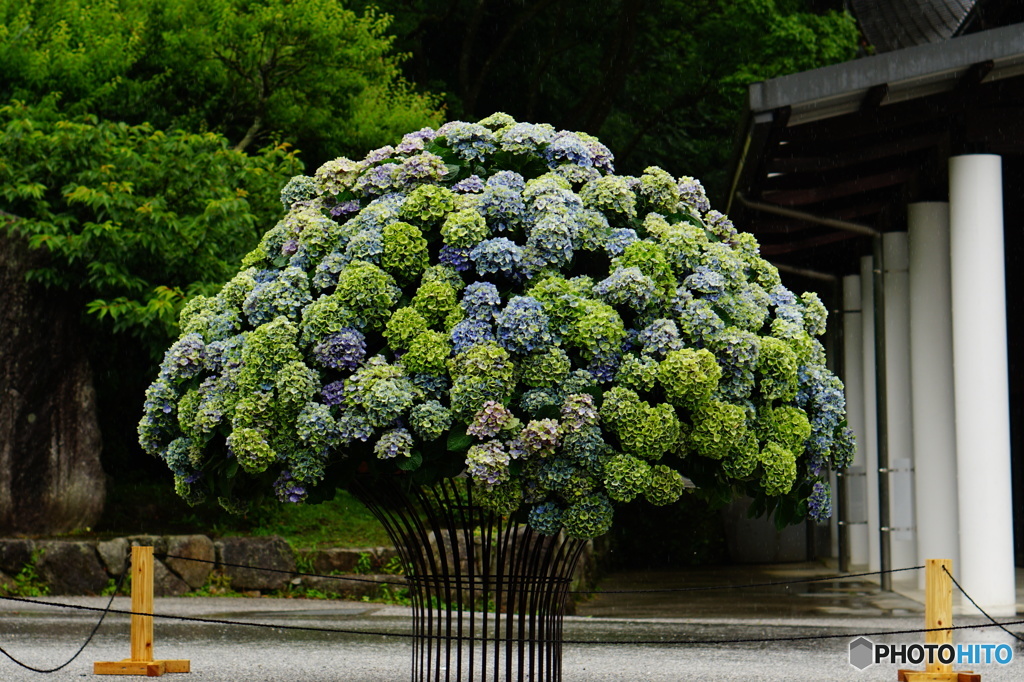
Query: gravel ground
[47,636]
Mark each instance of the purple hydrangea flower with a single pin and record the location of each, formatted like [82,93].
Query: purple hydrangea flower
[489,420]
[344,350]
[567,147]
[345,208]
[333,393]
[414,142]
[455,256]
[470,185]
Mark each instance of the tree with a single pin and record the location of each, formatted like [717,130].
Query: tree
[660,81]
[309,72]
[134,220]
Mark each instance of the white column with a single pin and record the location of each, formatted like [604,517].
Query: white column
[897,372]
[855,475]
[980,376]
[870,441]
[931,347]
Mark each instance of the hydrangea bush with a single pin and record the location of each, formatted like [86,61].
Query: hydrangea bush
[491,300]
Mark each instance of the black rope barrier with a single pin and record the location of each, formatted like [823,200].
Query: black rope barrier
[984,613]
[103,615]
[405,582]
[378,633]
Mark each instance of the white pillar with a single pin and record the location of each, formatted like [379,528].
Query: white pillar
[897,372]
[980,377]
[855,475]
[931,347]
[870,441]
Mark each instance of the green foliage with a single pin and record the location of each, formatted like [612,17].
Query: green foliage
[133,220]
[311,72]
[27,583]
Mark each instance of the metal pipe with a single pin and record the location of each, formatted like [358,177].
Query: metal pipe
[881,411]
[805,272]
[844,225]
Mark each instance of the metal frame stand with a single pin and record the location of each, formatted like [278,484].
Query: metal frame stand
[488,594]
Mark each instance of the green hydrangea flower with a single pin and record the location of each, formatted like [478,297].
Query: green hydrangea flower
[430,420]
[785,425]
[589,517]
[404,326]
[776,365]
[665,486]
[405,251]
[465,228]
[779,465]
[659,190]
[597,328]
[610,194]
[428,353]
[428,203]
[435,300]
[625,477]
[718,429]
[689,376]
[638,373]
[652,260]
[251,449]
[743,460]
[815,314]
[547,367]
[502,498]
[368,293]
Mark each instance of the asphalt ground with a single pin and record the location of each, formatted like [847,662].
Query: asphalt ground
[45,636]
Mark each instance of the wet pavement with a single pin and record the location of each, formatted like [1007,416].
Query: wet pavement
[840,609]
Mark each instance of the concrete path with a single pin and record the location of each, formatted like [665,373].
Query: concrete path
[45,636]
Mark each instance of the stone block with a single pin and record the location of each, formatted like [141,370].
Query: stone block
[71,568]
[260,553]
[351,589]
[14,554]
[339,560]
[114,554]
[166,583]
[200,547]
[158,543]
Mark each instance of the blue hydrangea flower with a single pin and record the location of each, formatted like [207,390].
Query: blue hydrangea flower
[489,420]
[523,326]
[394,443]
[819,504]
[333,393]
[706,281]
[470,333]
[526,138]
[660,337]
[619,239]
[546,518]
[488,462]
[501,203]
[480,300]
[691,193]
[497,256]
[567,147]
[628,287]
[468,140]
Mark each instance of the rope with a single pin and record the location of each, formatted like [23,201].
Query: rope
[706,642]
[984,613]
[88,639]
[405,582]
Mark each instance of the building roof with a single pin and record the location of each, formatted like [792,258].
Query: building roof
[856,141]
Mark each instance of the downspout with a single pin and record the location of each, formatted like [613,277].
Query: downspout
[881,401]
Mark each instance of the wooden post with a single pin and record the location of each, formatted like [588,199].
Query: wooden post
[142,661]
[938,613]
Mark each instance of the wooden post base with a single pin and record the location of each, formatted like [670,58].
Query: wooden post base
[147,668]
[920,676]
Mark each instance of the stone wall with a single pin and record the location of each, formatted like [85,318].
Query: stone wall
[184,563]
